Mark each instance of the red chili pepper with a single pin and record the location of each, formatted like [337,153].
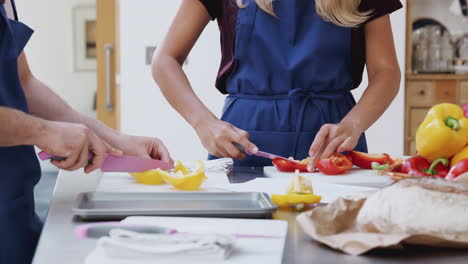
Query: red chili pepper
[419,166]
[334,165]
[365,160]
[284,165]
[460,168]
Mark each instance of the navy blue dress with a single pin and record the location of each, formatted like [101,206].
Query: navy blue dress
[19,225]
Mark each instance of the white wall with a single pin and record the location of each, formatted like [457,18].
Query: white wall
[144,109]
[146,112]
[387,134]
[50,51]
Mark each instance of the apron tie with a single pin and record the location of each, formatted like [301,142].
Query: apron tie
[309,96]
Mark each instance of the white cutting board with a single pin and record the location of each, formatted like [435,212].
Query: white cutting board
[355,176]
[124,182]
[248,250]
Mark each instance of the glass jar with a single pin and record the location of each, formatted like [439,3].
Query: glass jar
[435,55]
[447,53]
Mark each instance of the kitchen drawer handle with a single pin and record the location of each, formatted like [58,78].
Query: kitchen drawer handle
[108,48]
[447,92]
[422,92]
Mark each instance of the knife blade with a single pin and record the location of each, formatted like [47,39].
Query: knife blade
[260,153]
[120,164]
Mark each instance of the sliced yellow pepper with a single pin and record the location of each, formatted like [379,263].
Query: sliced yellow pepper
[462,154]
[299,193]
[183,179]
[443,132]
[180,167]
[151,177]
[285,200]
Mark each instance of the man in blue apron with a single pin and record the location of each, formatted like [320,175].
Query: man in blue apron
[19,168]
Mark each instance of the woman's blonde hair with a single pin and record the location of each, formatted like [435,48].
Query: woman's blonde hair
[343,13]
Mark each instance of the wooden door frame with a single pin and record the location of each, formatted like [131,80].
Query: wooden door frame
[108,25]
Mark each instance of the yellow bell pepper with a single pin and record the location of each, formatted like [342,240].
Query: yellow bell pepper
[183,179]
[151,177]
[443,132]
[462,154]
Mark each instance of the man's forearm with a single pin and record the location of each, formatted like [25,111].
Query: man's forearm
[46,104]
[18,128]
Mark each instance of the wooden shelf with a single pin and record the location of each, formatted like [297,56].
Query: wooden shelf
[435,77]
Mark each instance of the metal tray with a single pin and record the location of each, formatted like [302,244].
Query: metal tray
[104,206]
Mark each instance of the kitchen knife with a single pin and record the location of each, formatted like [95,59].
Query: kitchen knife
[260,153]
[120,164]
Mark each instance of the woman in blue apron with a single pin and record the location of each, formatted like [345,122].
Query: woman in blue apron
[288,69]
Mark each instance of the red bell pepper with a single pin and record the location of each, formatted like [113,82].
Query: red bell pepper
[419,166]
[284,165]
[460,168]
[334,165]
[365,160]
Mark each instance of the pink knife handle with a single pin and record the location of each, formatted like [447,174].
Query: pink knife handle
[45,156]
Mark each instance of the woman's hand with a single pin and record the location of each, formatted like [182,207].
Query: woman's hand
[333,138]
[73,142]
[217,137]
[145,147]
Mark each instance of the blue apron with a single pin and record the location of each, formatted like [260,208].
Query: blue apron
[19,169]
[291,76]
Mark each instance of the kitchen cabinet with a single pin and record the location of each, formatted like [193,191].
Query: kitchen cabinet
[425,90]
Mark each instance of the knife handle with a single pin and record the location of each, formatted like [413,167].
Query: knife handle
[97,230]
[46,156]
[242,149]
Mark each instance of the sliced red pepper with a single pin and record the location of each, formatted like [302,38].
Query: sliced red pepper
[419,166]
[460,168]
[284,165]
[365,160]
[334,165]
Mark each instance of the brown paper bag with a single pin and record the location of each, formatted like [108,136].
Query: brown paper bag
[346,226]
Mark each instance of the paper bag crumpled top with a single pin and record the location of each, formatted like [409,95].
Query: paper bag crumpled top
[430,212]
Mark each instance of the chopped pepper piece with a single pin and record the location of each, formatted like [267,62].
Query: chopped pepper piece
[286,200]
[151,177]
[365,160]
[334,165]
[299,194]
[419,166]
[443,132]
[460,168]
[284,165]
[183,179]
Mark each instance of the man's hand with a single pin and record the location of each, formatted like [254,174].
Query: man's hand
[73,142]
[146,147]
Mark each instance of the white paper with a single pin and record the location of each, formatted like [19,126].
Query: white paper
[328,191]
[248,250]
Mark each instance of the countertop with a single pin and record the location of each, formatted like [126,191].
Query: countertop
[58,243]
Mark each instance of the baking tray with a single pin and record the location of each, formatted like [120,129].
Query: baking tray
[104,206]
